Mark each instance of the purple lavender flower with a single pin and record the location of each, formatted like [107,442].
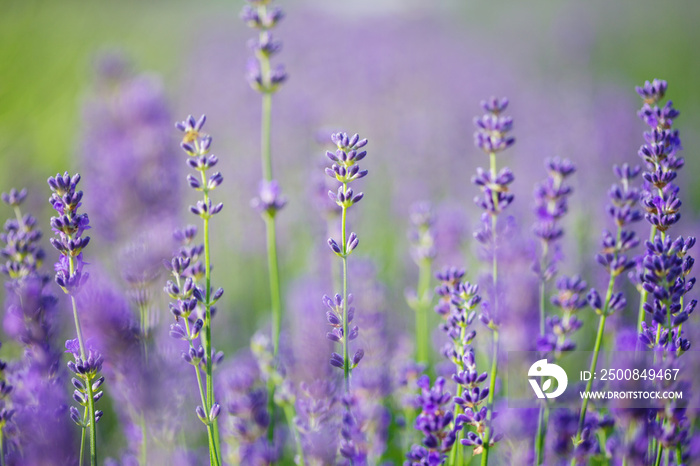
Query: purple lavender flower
[345,170]
[261,75]
[126,142]
[613,258]
[68,227]
[434,421]
[666,264]
[550,207]
[30,318]
[492,137]
[569,299]
[191,307]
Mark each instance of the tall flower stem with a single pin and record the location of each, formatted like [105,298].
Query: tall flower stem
[209,401]
[83,355]
[346,350]
[596,350]
[543,417]
[494,276]
[421,309]
[214,458]
[489,400]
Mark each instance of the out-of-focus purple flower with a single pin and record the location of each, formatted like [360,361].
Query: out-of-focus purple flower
[569,299]
[42,426]
[244,399]
[127,154]
[270,199]
[550,206]
[68,226]
[262,76]
[318,421]
[434,422]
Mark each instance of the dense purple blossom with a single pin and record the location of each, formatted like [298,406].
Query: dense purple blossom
[40,418]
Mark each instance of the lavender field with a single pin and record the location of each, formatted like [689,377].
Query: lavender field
[355,233]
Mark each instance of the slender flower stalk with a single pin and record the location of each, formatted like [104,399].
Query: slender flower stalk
[550,206]
[197,145]
[613,258]
[68,227]
[662,163]
[492,137]
[423,253]
[345,170]
[266,80]
[666,264]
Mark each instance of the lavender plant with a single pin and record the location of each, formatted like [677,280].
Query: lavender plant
[267,80]
[40,424]
[550,206]
[492,137]
[613,258]
[666,264]
[345,169]
[423,253]
[69,227]
[190,295]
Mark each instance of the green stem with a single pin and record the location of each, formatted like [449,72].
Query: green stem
[541,433]
[82,436]
[494,275]
[346,352]
[88,384]
[270,226]
[422,308]
[594,363]
[144,442]
[659,449]
[489,400]
[213,450]
[289,414]
[460,367]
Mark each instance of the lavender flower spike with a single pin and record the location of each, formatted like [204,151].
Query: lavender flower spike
[492,136]
[345,170]
[69,226]
[266,79]
[423,251]
[623,212]
[189,295]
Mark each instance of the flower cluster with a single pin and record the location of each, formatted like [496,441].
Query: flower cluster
[187,270]
[270,199]
[551,204]
[197,146]
[87,379]
[569,299]
[190,295]
[421,235]
[68,226]
[261,76]
[615,246]
[667,265]
[434,422]
[345,170]
[245,402]
[492,136]
[660,153]
[471,400]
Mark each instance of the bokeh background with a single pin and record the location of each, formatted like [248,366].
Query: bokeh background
[407,75]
